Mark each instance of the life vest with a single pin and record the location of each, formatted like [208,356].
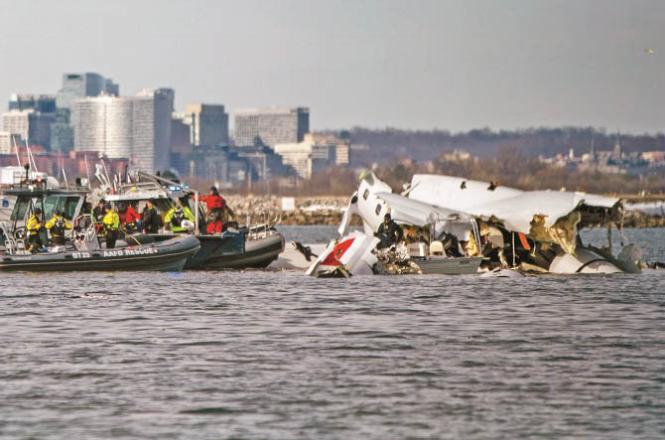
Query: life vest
[34,225]
[58,228]
[178,217]
[111,220]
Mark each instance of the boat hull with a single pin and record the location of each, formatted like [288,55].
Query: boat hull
[230,250]
[449,265]
[258,254]
[169,255]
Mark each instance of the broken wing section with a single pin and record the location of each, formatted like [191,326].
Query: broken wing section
[350,255]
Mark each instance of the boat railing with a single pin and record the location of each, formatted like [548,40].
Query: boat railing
[264,228]
[84,233]
[14,241]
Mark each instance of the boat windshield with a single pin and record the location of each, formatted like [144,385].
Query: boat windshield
[67,204]
[20,209]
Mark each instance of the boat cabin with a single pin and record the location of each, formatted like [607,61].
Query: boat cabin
[14,231]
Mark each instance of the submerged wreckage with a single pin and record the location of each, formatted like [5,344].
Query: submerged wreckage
[452,225]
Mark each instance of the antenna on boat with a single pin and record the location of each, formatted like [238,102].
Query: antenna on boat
[18,157]
[106,174]
[31,158]
[63,172]
[87,170]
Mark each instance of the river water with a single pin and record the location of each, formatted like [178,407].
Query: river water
[271,355]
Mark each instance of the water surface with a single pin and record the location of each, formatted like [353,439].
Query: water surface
[278,355]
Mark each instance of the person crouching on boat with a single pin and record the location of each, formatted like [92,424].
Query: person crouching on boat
[151,221]
[111,223]
[34,226]
[128,217]
[216,225]
[57,225]
[180,219]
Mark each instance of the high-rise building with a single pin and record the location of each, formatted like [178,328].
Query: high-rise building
[221,164]
[31,115]
[181,145]
[17,122]
[271,126]
[27,101]
[152,129]
[137,127]
[180,137]
[62,132]
[6,142]
[316,152]
[30,126]
[81,85]
[209,124]
[307,157]
[341,146]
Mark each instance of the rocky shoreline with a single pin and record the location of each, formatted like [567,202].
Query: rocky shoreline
[638,219]
[328,210]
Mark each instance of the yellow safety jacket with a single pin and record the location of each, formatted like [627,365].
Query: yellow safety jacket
[34,225]
[111,220]
[51,223]
[175,219]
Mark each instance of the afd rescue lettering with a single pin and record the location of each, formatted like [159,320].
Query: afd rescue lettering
[130,252]
[118,253]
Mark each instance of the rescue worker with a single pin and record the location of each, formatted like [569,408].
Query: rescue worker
[111,223]
[57,225]
[389,232]
[98,215]
[151,220]
[216,207]
[34,226]
[215,203]
[128,217]
[178,217]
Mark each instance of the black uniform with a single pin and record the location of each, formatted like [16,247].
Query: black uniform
[58,232]
[98,214]
[151,220]
[389,233]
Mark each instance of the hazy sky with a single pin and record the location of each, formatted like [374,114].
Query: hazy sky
[412,64]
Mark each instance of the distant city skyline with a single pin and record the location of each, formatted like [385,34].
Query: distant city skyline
[452,65]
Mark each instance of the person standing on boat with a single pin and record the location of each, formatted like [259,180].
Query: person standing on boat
[128,217]
[98,215]
[34,226]
[216,204]
[111,223]
[151,220]
[180,219]
[57,225]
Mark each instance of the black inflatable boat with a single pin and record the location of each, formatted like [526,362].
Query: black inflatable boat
[167,255]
